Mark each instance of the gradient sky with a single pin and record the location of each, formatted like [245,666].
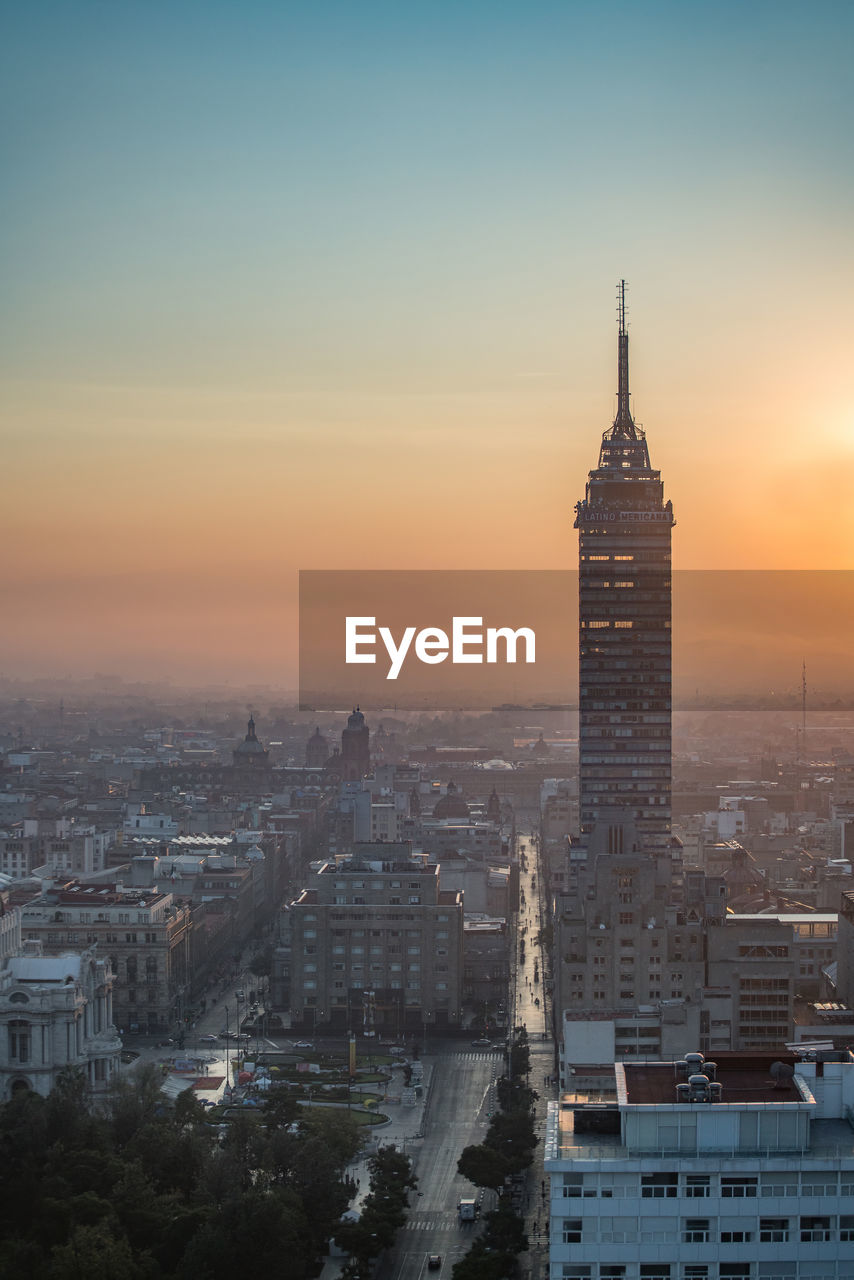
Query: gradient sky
[332,286]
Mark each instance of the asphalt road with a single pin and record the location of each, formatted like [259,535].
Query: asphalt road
[462,1095]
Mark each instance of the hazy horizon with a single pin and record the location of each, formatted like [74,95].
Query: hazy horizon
[294,287]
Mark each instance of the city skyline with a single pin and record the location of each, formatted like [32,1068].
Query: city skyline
[270,272]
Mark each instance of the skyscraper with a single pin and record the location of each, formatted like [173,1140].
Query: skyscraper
[624,630]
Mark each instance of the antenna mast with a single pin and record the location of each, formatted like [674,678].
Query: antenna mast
[623,421]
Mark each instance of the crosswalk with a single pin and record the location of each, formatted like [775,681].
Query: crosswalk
[477,1057]
[431,1222]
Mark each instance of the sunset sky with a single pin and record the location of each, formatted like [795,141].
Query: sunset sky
[332,285]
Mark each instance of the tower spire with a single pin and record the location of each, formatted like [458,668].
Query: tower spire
[623,421]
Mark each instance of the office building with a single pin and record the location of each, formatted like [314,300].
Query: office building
[739,1169]
[624,529]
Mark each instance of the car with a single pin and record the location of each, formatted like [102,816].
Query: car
[208,1039]
[303,1044]
[483,1043]
[434,1261]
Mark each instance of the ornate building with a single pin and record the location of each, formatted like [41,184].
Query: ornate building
[251,754]
[56,1012]
[354,762]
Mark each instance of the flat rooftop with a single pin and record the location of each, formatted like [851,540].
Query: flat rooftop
[745,1078]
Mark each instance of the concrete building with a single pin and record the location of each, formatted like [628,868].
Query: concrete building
[376,946]
[55,1012]
[145,936]
[486,969]
[634,933]
[845,950]
[624,528]
[741,1169]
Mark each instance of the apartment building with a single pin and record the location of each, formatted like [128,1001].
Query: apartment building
[739,1169]
[376,946]
[145,936]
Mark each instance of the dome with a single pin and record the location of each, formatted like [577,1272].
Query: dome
[356,720]
[451,805]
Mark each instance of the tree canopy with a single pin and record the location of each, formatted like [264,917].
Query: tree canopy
[144,1189]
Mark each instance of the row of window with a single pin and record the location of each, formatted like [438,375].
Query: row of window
[667,1186]
[808,1230]
[705,1271]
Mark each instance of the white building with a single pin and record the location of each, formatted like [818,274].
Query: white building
[737,1170]
[56,1012]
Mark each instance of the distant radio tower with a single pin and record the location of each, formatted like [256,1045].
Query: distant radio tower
[804,705]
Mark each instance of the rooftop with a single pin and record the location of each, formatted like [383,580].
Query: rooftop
[744,1077]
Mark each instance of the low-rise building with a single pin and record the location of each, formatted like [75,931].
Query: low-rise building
[741,1169]
[146,937]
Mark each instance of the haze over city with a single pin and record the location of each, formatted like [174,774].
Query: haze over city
[333,288]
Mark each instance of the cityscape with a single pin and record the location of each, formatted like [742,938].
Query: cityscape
[545,956]
[426,696]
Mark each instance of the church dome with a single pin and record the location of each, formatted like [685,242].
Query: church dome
[451,805]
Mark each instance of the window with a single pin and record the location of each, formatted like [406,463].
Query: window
[735,1271]
[814,1230]
[698,1185]
[659,1186]
[696,1231]
[572,1231]
[784,1184]
[655,1271]
[736,1237]
[573,1185]
[738,1188]
[846,1227]
[626,917]
[611,1271]
[19,1041]
[577,1271]
[695,1271]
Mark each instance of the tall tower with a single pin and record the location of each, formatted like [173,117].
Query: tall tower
[355,758]
[624,619]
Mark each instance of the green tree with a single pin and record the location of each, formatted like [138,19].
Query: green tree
[261,963]
[481,1263]
[94,1253]
[484,1166]
[512,1134]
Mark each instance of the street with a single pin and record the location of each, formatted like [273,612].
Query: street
[462,1094]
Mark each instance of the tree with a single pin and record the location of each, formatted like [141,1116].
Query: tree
[484,1166]
[94,1253]
[514,1095]
[481,1263]
[383,1211]
[512,1134]
[261,963]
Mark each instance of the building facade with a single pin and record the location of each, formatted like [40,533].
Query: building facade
[741,1169]
[56,1012]
[376,946]
[145,936]
[624,528]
